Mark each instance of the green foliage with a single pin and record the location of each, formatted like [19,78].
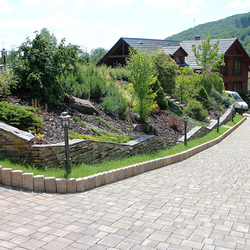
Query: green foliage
[7,82]
[142,70]
[166,70]
[103,136]
[202,96]
[219,99]
[207,56]
[174,108]
[89,83]
[160,95]
[230,27]
[21,117]
[96,55]
[186,82]
[108,125]
[115,101]
[195,110]
[41,68]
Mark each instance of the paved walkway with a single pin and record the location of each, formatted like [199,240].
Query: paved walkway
[200,203]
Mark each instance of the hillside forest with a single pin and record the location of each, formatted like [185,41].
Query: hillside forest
[237,26]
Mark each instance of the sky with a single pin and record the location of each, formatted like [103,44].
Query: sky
[100,23]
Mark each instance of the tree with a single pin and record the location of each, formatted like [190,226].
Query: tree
[142,77]
[97,54]
[48,37]
[167,70]
[41,68]
[207,56]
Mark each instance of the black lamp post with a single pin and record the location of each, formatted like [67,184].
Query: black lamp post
[65,125]
[185,119]
[218,121]
[4,56]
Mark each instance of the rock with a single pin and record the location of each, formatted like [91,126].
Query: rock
[83,106]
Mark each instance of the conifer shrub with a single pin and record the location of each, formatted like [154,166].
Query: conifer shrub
[6,83]
[160,95]
[115,100]
[21,117]
[202,96]
[195,110]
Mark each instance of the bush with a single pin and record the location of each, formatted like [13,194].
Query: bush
[195,110]
[160,95]
[89,83]
[220,99]
[202,97]
[115,101]
[39,66]
[21,117]
[6,83]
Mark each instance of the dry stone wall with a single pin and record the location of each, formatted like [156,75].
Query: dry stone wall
[20,145]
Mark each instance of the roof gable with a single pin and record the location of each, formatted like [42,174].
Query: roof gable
[119,52]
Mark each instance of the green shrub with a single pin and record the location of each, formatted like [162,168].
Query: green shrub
[174,108]
[160,95]
[6,83]
[202,96]
[21,117]
[220,99]
[115,101]
[195,110]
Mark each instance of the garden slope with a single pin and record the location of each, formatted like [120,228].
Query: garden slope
[52,133]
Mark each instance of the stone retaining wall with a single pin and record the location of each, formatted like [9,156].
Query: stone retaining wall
[39,183]
[199,131]
[19,145]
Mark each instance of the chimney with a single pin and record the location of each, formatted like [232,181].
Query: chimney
[197,37]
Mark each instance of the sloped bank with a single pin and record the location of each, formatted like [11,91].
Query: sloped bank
[39,183]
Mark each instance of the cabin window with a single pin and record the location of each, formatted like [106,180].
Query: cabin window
[178,59]
[237,67]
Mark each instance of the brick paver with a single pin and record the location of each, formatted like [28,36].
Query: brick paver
[200,203]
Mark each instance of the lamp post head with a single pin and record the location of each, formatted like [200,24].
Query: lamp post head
[65,119]
[185,118]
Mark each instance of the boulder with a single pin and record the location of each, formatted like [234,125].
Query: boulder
[83,106]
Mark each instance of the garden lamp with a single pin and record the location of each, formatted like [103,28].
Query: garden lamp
[65,125]
[4,55]
[185,119]
[218,121]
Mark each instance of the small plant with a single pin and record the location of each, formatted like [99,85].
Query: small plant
[174,123]
[195,110]
[21,117]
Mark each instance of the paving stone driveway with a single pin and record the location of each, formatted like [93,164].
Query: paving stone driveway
[200,203]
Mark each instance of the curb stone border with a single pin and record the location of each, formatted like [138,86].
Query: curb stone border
[39,183]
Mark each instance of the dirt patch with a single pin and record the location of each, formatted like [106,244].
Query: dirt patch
[158,124]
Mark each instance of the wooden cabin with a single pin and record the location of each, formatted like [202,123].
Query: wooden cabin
[237,61]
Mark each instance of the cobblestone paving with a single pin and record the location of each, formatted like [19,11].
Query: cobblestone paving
[200,203]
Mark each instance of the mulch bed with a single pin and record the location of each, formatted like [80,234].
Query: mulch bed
[159,123]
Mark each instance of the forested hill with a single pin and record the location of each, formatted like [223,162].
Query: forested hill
[237,26]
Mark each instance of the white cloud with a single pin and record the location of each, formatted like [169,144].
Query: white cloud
[165,3]
[238,4]
[106,28]
[80,5]
[191,10]
[196,2]
[113,3]
[49,3]
[5,7]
